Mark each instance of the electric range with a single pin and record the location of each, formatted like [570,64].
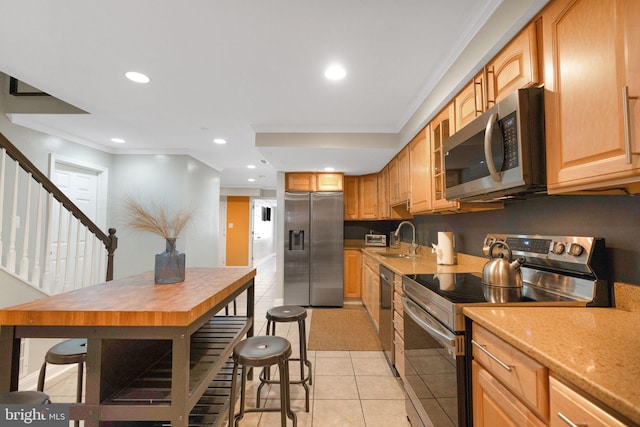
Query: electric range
[557,271]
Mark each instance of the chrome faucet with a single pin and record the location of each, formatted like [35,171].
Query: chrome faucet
[414,245]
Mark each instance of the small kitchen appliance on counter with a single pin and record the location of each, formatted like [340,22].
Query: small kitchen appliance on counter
[555,271]
[375,240]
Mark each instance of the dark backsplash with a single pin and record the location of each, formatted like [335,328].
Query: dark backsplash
[616,218]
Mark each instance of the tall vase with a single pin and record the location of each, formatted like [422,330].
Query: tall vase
[170,264]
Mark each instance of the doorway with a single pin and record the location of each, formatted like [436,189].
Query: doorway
[237,227]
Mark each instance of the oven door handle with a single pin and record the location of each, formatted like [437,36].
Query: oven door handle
[411,309]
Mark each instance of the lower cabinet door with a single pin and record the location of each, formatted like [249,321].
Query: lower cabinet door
[494,405]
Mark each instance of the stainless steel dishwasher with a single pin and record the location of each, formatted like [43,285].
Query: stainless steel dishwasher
[385,331]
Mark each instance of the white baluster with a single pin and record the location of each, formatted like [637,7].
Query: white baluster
[35,274]
[11,255]
[46,276]
[77,280]
[58,284]
[86,266]
[24,263]
[94,273]
[67,260]
[3,172]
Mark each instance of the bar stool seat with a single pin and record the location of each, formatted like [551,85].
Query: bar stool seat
[259,352]
[66,353]
[285,314]
[27,397]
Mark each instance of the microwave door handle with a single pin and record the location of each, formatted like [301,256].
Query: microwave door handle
[488,155]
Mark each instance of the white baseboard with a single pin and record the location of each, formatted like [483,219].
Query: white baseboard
[30,382]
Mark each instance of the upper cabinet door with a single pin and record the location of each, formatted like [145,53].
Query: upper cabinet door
[384,205]
[399,177]
[300,181]
[441,128]
[592,81]
[420,172]
[368,196]
[350,197]
[515,67]
[329,182]
[470,102]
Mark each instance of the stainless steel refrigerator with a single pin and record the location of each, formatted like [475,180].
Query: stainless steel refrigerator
[313,252]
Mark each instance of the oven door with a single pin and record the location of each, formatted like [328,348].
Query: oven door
[434,370]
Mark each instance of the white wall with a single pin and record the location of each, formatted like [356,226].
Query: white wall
[180,182]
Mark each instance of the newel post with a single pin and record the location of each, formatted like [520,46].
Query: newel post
[111,248]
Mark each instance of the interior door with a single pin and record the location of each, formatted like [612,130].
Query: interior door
[68,242]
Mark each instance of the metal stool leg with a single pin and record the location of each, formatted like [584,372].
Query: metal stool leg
[232,394]
[79,385]
[285,395]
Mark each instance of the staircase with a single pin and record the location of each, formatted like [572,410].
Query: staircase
[45,239]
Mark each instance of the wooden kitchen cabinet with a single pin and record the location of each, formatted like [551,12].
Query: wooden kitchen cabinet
[368,196]
[399,179]
[494,405]
[352,273]
[329,182]
[469,103]
[350,198]
[516,66]
[508,387]
[313,181]
[384,205]
[441,128]
[398,327]
[420,160]
[300,181]
[569,405]
[591,62]
[371,288]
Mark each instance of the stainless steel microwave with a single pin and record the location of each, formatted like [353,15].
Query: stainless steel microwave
[501,153]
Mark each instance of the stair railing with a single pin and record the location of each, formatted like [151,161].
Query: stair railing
[66,250]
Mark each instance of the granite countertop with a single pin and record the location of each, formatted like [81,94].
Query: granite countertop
[424,263]
[595,349]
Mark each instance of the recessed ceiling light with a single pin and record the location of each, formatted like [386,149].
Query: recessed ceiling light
[329,169]
[220,141]
[137,77]
[251,166]
[251,180]
[335,72]
[118,140]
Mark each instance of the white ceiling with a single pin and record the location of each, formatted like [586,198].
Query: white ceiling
[248,70]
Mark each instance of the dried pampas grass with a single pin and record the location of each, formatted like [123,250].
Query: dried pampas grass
[156,218]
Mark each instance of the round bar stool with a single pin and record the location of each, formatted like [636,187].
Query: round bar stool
[285,314]
[26,397]
[260,352]
[66,353]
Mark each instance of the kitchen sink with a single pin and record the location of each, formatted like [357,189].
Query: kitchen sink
[398,256]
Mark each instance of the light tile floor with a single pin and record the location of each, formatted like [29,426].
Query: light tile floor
[350,389]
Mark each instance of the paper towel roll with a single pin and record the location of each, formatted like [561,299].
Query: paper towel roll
[445,248]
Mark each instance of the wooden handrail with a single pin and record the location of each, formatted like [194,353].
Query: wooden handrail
[110,241]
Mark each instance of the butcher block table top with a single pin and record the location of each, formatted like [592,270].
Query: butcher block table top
[133,301]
